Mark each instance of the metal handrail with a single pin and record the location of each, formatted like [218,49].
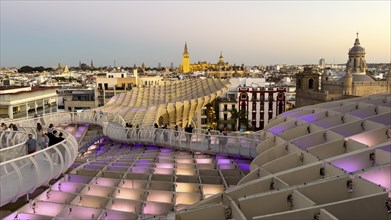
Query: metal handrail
[216,144]
[36,169]
[7,135]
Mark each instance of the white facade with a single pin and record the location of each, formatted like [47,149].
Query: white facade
[27,101]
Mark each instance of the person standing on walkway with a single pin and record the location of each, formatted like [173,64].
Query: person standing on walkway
[156,126]
[208,138]
[39,131]
[31,145]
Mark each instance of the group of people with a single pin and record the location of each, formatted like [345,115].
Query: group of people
[11,127]
[189,131]
[7,131]
[223,139]
[43,140]
[129,125]
[158,132]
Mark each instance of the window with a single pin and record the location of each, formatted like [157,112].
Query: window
[244,95]
[106,86]
[311,84]
[15,110]
[233,106]
[225,107]
[225,116]
[299,83]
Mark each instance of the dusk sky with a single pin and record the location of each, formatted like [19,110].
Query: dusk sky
[250,32]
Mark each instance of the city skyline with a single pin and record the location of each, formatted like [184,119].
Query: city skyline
[132,32]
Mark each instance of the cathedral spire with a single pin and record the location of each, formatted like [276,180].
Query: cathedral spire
[185,51]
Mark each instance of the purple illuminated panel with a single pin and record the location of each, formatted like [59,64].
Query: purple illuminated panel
[219,156]
[27,216]
[223,161]
[163,171]
[310,118]
[226,166]
[349,164]
[46,208]
[276,129]
[79,212]
[140,170]
[244,166]
[77,135]
[105,181]
[380,176]
[121,164]
[166,150]
[387,148]
[145,165]
[165,165]
[154,208]
[78,178]
[143,161]
[93,167]
[363,113]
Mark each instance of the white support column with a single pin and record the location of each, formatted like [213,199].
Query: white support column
[27,110]
[56,106]
[43,106]
[10,112]
[35,107]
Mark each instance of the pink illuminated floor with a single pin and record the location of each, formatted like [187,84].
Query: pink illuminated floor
[134,181]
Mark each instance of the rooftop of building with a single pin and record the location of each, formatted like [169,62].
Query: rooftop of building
[357,78]
[13,90]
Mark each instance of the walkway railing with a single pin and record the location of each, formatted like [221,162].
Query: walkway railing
[24,173]
[114,127]
[69,117]
[199,142]
[11,138]
[14,146]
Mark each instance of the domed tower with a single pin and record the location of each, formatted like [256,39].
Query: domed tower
[356,63]
[221,60]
